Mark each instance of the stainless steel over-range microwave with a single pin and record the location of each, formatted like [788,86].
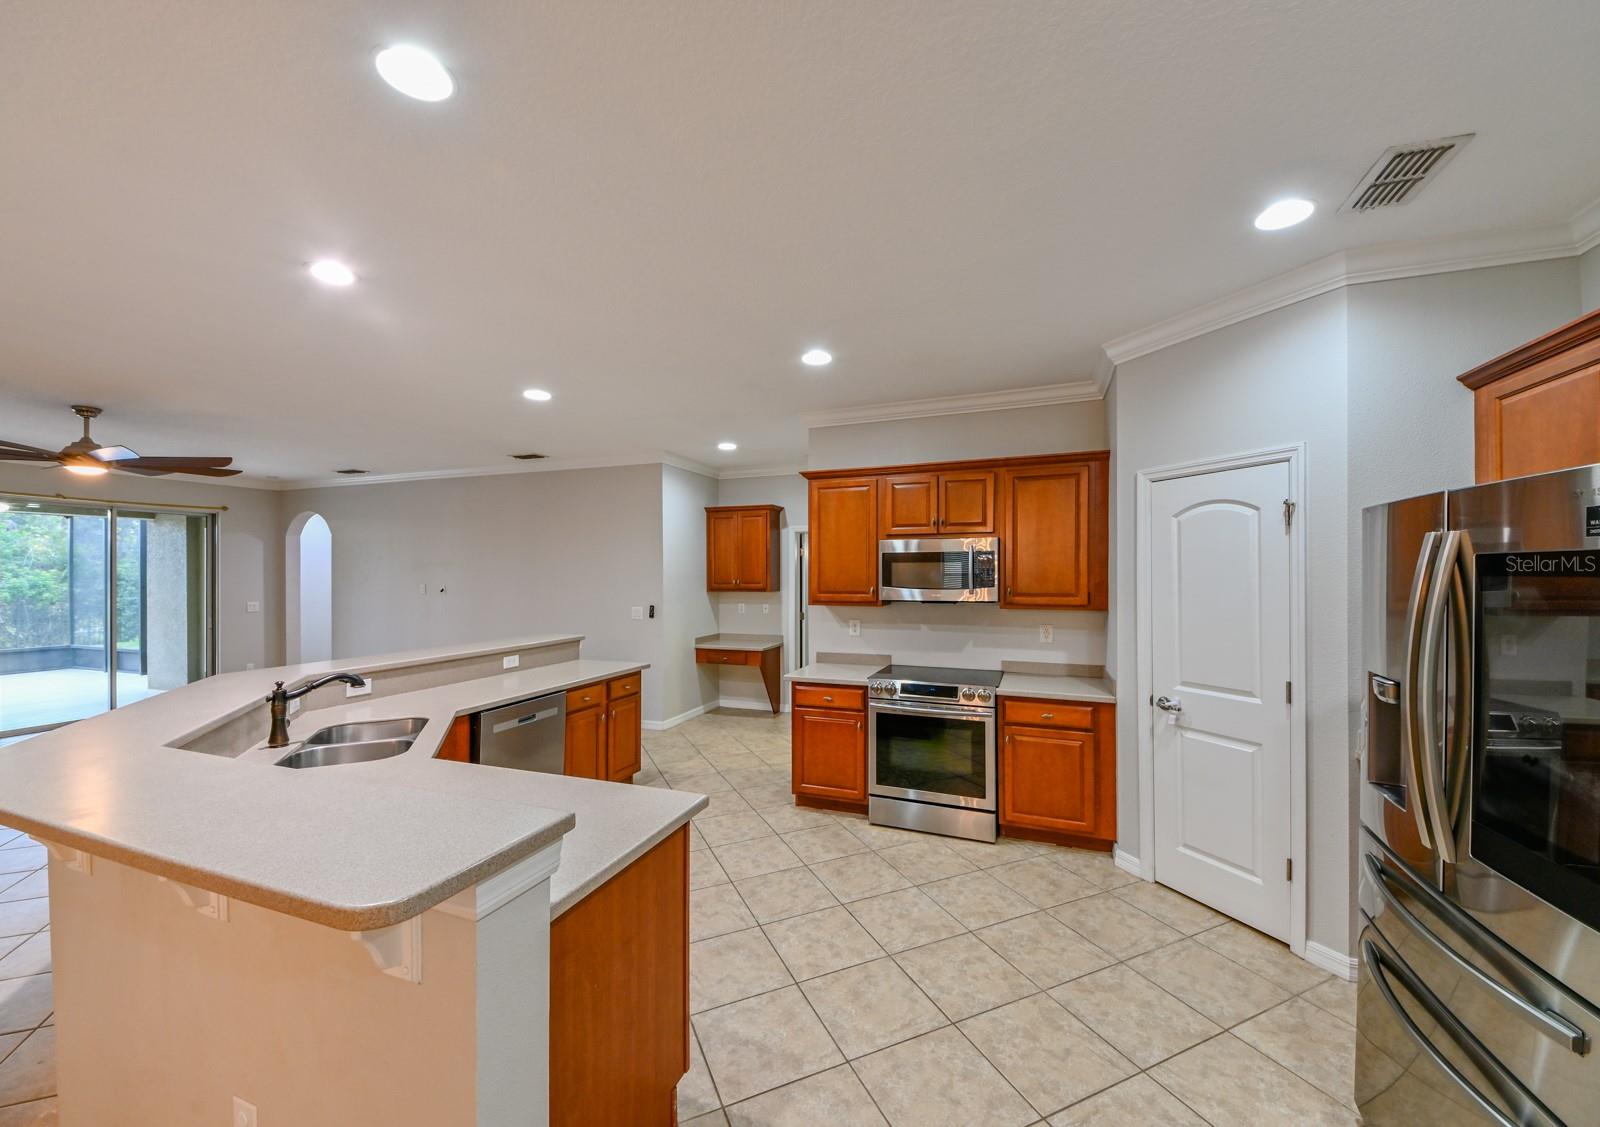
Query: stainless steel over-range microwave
[954,569]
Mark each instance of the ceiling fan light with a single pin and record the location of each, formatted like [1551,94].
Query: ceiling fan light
[86,471]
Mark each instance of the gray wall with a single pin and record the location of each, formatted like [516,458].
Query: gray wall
[1589,275]
[686,606]
[949,438]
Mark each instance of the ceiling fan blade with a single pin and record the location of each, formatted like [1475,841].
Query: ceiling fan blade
[114,454]
[22,450]
[138,466]
[34,459]
[177,463]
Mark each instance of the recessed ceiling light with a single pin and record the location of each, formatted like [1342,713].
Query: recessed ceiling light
[816,358]
[1284,213]
[415,72]
[727,446]
[86,471]
[538,395]
[331,272]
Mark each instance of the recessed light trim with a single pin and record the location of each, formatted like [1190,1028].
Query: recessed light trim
[415,71]
[816,358]
[331,272]
[1284,213]
[537,395]
[727,446]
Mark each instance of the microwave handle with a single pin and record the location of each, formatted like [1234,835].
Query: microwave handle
[1413,686]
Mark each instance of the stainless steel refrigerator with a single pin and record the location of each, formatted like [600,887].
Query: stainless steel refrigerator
[1479,851]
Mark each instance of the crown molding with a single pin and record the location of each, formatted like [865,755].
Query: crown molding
[1077,391]
[761,471]
[549,465]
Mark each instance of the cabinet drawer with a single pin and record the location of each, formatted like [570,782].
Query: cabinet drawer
[726,657]
[586,696]
[622,686]
[1047,714]
[829,696]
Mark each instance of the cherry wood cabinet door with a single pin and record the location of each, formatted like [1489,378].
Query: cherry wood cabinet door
[830,754]
[910,506]
[843,554]
[585,743]
[1537,427]
[1048,780]
[457,744]
[756,556]
[966,503]
[1053,552]
[623,739]
[723,557]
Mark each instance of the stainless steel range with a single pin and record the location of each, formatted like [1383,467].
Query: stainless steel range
[931,750]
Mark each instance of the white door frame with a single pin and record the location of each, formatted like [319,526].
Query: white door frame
[1295,457]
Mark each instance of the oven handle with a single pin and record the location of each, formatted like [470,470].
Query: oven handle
[1526,1106]
[919,709]
[1552,1025]
[1412,685]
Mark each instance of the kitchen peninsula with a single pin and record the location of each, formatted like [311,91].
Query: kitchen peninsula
[520,949]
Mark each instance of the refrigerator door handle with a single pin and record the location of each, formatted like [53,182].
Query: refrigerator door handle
[1527,1107]
[1458,764]
[1412,687]
[1552,1025]
[1434,625]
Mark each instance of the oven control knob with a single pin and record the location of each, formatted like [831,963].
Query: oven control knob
[985,696]
[967,694]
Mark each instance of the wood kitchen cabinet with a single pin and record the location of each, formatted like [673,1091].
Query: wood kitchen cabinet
[829,744]
[457,744]
[1054,548]
[842,555]
[624,724]
[742,547]
[604,730]
[1058,771]
[1537,408]
[585,748]
[958,503]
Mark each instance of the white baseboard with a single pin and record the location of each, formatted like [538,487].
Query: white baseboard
[663,725]
[1128,863]
[1334,962]
[746,705]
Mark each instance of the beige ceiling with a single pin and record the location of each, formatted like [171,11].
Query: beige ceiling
[651,208]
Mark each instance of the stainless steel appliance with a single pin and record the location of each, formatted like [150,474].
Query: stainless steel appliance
[949,570]
[930,750]
[1479,997]
[530,735]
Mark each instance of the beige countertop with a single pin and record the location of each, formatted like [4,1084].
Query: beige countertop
[759,642]
[1573,709]
[353,847]
[1090,690]
[834,673]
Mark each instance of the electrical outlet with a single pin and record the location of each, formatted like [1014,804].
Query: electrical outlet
[249,665]
[354,691]
[855,628]
[294,706]
[252,608]
[766,608]
[510,661]
[244,1113]
[741,608]
[637,612]
[1047,633]
[422,589]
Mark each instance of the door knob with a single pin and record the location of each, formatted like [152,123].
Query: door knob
[1169,704]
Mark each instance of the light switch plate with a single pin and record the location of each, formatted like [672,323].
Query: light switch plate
[855,628]
[252,607]
[510,661]
[353,691]
[637,612]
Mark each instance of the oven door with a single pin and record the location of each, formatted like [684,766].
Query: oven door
[931,753]
[947,570]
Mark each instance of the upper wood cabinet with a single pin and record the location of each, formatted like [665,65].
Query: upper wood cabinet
[1053,549]
[842,555]
[959,503]
[742,548]
[1537,408]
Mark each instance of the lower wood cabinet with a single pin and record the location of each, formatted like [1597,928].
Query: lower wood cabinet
[585,753]
[1058,771]
[623,738]
[457,744]
[829,745]
[604,730]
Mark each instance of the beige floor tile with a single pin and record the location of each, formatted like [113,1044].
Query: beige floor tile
[696,773]
[1043,883]
[824,843]
[963,977]
[704,871]
[733,757]
[23,860]
[1270,959]
[718,1118]
[822,942]
[24,917]
[789,819]
[9,1041]
[978,900]
[1115,926]
[37,1113]
[1311,1043]
[789,892]
[1337,997]
[696,1094]
[834,1098]
[1044,949]
[30,886]
[858,876]
[882,837]
[725,829]
[1048,1055]
[719,804]
[1093,866]
[755,858]
[32,957]
[904,919]
[745,778]
[1232,1085]
[25,1002]
[1171,908]
[1136,1102]
[734,966]
[29,1073]
[1142,1021]
[923,861]
[763,1043]
[940,1080]
[1218,987]
[717,910]
[987,854]
[871,1007]
[696,842]
[763,797]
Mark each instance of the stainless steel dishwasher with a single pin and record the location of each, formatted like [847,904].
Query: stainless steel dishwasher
[530,735]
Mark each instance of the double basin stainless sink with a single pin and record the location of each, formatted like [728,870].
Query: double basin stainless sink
[363,742]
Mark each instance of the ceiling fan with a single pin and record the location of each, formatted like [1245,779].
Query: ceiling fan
[88,457]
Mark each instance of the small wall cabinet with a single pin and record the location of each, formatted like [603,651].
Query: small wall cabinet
[960,503]
[1058,771]
[1537,408]
[742,547]
[829,743]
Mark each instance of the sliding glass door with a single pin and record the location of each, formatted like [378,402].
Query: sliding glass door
[100,606]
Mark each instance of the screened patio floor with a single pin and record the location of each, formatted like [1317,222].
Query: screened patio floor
[51,696]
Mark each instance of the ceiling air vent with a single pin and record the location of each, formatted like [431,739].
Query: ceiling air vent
[1400,172]
[351,473]
[529,457]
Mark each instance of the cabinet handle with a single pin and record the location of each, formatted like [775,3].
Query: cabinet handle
[858,725]
[1008,592]
[873,590]
[828,699]
[1047,716]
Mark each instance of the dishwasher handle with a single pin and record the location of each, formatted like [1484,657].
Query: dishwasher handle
[532,717]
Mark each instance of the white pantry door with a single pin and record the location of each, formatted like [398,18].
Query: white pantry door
[1220,600]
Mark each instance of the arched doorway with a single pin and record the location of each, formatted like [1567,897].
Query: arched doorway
[308,590]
